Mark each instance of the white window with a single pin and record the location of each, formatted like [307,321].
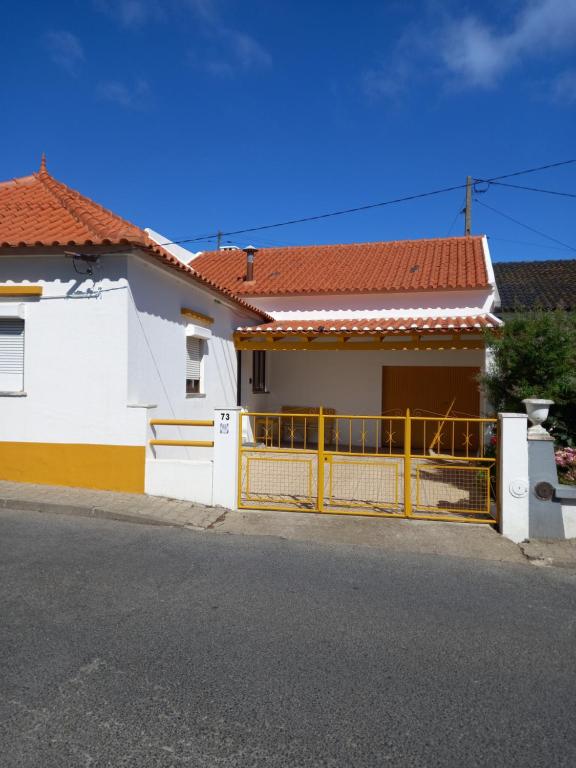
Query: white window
[194,355]
[11,354]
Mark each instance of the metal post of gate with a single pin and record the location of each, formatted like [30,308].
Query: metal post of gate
[320,472]
[408,465]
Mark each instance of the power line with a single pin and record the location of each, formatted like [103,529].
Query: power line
[526,226]
[532,170]
[529,189]
[320,216]
[356,209]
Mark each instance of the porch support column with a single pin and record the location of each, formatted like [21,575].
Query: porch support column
[226,448]
[513,476]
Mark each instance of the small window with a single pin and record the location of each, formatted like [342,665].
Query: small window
[259,371]
[194,353]
[11,355]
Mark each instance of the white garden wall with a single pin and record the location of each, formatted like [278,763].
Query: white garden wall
[186,479]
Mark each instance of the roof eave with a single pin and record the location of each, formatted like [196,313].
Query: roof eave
[347,291]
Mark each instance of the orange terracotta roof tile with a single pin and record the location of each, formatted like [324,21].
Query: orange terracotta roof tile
[397,266]
[375,326]
[39,211]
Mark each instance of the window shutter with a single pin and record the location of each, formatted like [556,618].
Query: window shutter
[11,349]
[193,357]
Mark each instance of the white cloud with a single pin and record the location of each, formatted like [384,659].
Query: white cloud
[131,13]
[232,51]
[65,50]
[247,51]
[469,52]
[228,50]
[479,55]
[124,95]
[206,9]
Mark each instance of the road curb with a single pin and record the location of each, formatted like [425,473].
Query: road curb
[75,510]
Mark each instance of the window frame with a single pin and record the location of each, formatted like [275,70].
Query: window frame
[16,317]
[200,381]
[259,372]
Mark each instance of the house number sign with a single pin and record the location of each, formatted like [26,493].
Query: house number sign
[224,423]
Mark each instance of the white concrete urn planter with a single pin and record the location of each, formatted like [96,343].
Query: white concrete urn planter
[537,411]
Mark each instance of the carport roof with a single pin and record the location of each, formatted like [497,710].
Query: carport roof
[373,326]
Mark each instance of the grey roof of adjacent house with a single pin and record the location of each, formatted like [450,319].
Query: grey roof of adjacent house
[536,284]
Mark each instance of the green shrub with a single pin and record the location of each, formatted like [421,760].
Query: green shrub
[535,356]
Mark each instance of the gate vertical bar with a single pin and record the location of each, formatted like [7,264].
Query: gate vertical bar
[320,471]
[408,465]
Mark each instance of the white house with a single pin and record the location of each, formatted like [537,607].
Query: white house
[362,393]
[102,331]
[345,377]
[363,328]
[115,353]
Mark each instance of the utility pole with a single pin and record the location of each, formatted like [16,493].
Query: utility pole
[219,238]
[468,209]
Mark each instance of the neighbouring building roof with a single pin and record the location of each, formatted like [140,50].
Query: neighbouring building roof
[37,211]
[374,326]
[536,284]
[398,266]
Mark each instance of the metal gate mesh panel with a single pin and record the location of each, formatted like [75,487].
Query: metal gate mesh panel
[442,487]
[438,468]
[272,480]
[366,483]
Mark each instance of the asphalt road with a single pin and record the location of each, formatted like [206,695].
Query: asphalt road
[136,646]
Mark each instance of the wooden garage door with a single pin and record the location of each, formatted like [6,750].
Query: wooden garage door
[429,390]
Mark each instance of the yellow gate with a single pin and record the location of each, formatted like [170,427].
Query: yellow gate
[431,468]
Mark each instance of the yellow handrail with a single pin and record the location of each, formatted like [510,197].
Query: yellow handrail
[188,443]
[181,423]
[452,418]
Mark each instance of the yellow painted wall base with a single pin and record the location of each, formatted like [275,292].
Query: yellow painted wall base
[103,467]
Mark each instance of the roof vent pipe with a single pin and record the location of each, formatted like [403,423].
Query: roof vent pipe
[250,252]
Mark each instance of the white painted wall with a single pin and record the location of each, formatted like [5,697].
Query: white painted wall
[157,353]
[513,476]
[349,381]
[75,354]
[105,355]
[364,305]
[183,479]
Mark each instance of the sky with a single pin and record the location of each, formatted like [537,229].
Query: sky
[193,116]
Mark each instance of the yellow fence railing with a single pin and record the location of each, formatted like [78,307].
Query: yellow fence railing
[426,467]
[182,423]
